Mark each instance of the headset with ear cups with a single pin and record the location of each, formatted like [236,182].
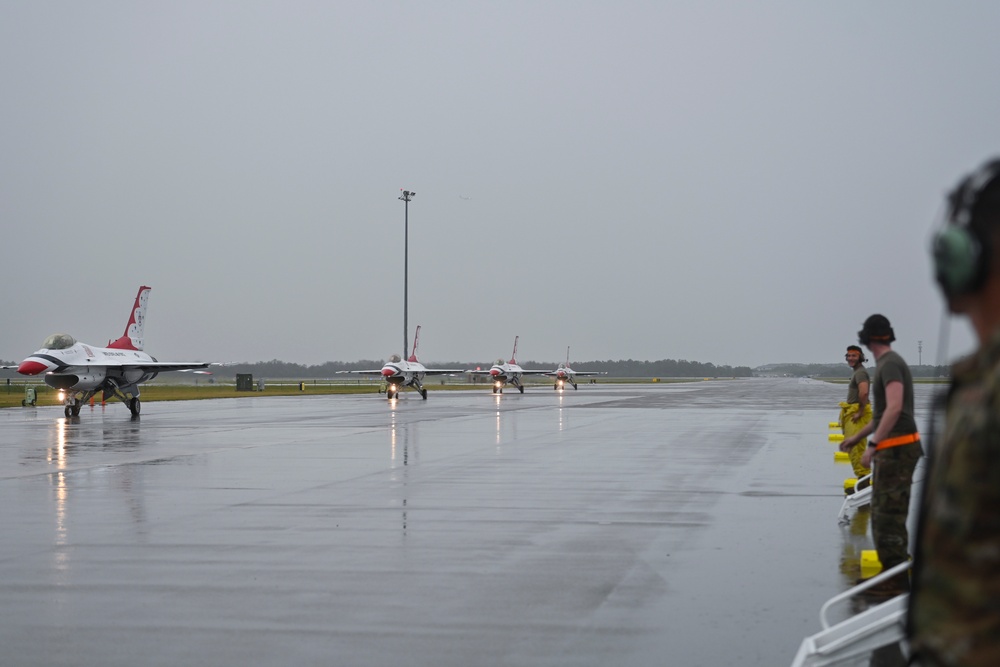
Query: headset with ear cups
[961,249]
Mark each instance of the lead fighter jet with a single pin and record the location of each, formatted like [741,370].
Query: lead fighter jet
[565,374]
[81,370]
[397,373]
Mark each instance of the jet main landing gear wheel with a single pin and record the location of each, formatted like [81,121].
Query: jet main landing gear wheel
[134,406]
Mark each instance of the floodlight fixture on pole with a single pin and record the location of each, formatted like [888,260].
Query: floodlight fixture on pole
[406,197]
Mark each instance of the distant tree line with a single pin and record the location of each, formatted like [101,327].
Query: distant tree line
[842,370]
[621,368]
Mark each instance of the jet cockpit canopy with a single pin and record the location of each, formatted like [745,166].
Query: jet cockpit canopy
[500,362]
[395,359]
[59,341]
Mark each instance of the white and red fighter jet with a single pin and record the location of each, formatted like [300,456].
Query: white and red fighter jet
[507,372]
[565,374]
[81,370]
[398,373]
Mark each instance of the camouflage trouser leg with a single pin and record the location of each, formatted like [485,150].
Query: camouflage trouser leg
[891,501]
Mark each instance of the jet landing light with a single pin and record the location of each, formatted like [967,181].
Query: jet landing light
[29,367]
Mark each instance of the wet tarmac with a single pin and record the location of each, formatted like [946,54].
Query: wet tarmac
[684,524]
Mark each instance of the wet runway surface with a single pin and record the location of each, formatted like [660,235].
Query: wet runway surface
[685,524]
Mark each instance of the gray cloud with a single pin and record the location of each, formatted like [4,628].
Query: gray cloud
[726,182]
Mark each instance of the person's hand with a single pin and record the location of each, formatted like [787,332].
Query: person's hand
[866,458]
[856,417]
[848,443]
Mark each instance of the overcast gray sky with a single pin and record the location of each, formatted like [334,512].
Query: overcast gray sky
[728,182]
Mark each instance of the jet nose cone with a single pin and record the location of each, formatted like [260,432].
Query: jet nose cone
[31,367]
[388,372]
[494,372]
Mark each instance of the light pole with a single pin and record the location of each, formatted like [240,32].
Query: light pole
[406,197]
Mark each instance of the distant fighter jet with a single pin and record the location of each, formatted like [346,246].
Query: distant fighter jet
[398,373]
[565,374]
[504,372]
[82,370]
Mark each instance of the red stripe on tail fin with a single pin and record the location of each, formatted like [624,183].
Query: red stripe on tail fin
[416,341]
[133,338]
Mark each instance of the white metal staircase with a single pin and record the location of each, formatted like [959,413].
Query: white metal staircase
[859,498]
[858,635]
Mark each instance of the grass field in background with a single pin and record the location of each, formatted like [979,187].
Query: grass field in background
[12,395]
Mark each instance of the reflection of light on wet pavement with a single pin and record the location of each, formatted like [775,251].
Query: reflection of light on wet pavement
[57,455]
[496,400]
[856,540]
[392,432]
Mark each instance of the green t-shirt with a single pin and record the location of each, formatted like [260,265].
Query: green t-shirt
[892,368]
[860,375]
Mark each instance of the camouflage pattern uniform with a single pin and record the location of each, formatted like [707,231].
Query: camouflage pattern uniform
[955,607]
[894,466]
[891,502]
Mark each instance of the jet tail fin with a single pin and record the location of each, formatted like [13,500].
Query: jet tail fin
[513,355]
[133,338]
[416,341]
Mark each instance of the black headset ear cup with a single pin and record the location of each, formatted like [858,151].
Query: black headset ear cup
[962,250]
[959,264]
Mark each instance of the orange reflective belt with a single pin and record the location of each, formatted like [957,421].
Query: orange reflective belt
[897,441]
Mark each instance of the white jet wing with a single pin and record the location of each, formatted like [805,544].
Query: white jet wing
[577,373]
[160,366]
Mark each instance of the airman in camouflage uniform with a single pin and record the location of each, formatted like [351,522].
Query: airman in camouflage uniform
[956,609]
[954,616]
[894,446]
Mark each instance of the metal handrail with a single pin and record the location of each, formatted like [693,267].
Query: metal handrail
[863,586]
